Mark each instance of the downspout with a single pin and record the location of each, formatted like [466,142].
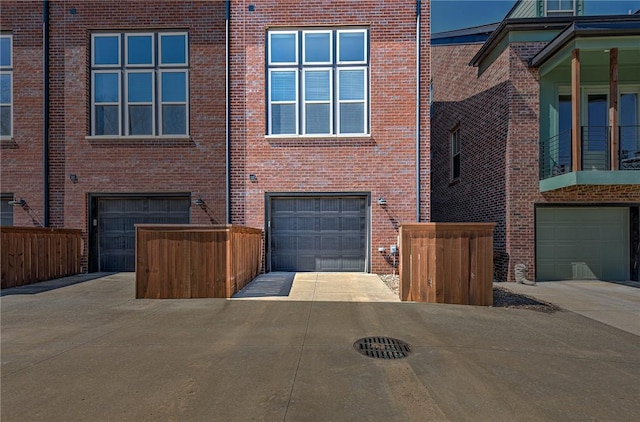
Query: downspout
[45,109]
[228,111]
[418,40]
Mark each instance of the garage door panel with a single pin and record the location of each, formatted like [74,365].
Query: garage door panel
[582,242]
[318,234]
[117,218]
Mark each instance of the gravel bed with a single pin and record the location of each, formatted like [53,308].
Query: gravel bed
[502,298]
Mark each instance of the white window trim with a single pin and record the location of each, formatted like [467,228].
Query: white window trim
[8,70]
[555,12]
[365,46]
[295,36]
[304,41]
[301,65]
[296,102]
[329,102]
[123,69]
[93,50]
[94,104]
[339,102]
[126,49]
[185,102]
[10,65]
[186,49]
[144,103]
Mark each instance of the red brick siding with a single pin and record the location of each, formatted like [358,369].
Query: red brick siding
[478,105]
[194,166]
[383,164]
[22,157]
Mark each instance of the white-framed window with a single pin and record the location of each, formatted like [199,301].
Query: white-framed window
[317,82]
[140,84]
[560,7]
[6,86]
[455,154]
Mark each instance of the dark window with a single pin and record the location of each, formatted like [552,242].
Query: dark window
[455,154]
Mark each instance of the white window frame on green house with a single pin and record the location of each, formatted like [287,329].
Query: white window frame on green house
[6,86]
[455,154]
[558,8]
[317,82]
[140,102]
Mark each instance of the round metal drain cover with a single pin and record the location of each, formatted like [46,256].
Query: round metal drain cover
[382,347]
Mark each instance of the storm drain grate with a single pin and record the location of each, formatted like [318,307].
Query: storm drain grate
[382,348]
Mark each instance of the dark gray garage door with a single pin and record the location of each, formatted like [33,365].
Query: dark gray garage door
[318,233]
[116,218]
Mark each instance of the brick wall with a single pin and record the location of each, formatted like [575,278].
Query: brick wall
[478,106]
[22,156]
[193,165]
[383,164]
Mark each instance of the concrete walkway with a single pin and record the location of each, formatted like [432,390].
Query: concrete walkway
[319,287]
[613,304]
[90,351]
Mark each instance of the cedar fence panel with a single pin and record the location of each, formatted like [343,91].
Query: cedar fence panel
[447,263]
[34,254]
[190,261]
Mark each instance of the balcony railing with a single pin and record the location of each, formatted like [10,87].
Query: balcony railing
[556,158]
[629,152]
[555,155]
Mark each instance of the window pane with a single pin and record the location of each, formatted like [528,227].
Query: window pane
[283,48]
[351,46]
[317,118]
[553,4]
[174,120]
[139,49]
[283,86]
[352,84]
[173,49]
[5,121]
[106,50]
[283,119]
[317,47]
[5,89]
[456,166]
[140,120]
[316,85]
[567,4]
[106,88]
[140,87]
[107,120]
[352,118]
[5,51]
[174,87]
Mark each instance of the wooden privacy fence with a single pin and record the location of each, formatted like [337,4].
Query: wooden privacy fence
[189,261]
[447,263]
[33,254]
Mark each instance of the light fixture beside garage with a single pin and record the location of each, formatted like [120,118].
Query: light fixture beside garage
[253,178]
[382,201]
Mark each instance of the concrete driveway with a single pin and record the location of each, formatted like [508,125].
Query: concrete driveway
[90,351]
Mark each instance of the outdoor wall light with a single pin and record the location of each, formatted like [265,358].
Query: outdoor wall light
[16,203]
[199,202]
[382,202]
[253,177]
[73,178]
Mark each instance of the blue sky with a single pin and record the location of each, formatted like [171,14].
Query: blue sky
[447,15]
